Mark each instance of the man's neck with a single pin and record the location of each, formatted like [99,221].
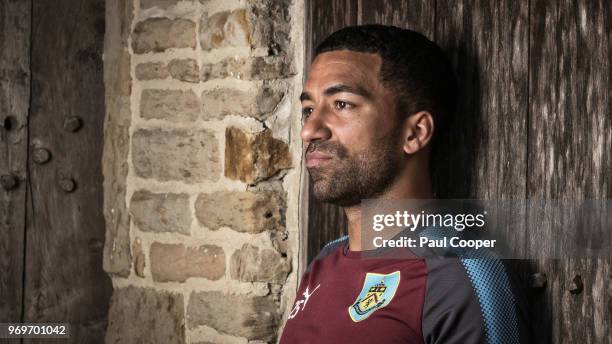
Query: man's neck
[410,188]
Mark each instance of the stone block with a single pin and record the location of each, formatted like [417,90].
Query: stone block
[161,212]
[170,105]
[144,315]
[184,70]
[258,102]
[251,68]
[159,34]
[162,4]
[250,264]
[177,263]
[224,29]
[190,156]
[239,315]
[242,211]
[151,71]
[252,157]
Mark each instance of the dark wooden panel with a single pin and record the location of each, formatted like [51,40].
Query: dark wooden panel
[328,16]
[65,230]
[485,154]
[14,104]
[488,44]
[417,15]
[570,135]
[326,222]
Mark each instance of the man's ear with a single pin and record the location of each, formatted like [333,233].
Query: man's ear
[418,130]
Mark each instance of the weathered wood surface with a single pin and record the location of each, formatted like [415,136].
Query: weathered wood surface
[325,222]
[64,279]
[413,15]
[569,155]
[14,103]
[484,157]
[535,123]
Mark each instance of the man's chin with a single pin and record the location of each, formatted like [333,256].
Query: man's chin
[324,194]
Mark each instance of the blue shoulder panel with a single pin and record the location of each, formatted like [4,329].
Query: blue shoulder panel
[342,238]
[491,284]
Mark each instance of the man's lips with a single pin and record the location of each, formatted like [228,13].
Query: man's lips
[315,159]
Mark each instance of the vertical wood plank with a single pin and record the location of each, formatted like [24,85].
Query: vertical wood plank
[570,135]
[328,16]
[485,155]
[326,222]
[15,31]
[65,230]
[488,45]
[417,15]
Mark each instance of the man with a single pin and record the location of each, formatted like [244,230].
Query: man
[376,101]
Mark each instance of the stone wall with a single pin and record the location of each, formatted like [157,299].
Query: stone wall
[201,168]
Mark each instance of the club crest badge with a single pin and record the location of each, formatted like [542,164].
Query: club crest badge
[378,290]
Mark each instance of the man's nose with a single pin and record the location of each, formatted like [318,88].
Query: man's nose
[315,127]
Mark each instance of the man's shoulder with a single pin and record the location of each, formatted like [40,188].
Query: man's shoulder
[326,251]
[482,290]
[330,247]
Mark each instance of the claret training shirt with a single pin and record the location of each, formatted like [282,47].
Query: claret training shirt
[346,298]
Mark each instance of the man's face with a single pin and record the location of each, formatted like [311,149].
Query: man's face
[353,135]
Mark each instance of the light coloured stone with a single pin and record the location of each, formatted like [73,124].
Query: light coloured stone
[161,212]
[252,157]
[245,316]
[151,71]
[177,263]
[139,258]
[251,68]
[162,4]
[258,102]
[160,34]
[270,24]
[224,29]
[250,264]
[190,156]
[263,24]
[171,105]
[144,315]
[184,70]
[242,211]
[117,259]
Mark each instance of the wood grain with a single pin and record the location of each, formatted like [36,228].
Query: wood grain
[65,230]
[415,15]
[15,20]
[488,45]
[570,135]
[326,222]
[535,123]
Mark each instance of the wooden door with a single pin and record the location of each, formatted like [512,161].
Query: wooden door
[535,82]
[52,107]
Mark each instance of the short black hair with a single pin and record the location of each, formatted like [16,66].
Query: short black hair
[415,68]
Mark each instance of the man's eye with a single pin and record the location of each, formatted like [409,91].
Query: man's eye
[306,112]
[341,105]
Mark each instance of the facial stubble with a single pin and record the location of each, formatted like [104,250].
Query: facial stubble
[348,179]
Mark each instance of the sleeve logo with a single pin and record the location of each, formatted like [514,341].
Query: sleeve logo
[301,304]
[377,292]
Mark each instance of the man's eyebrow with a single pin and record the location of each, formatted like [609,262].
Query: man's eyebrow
[337,89]
[305,96]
